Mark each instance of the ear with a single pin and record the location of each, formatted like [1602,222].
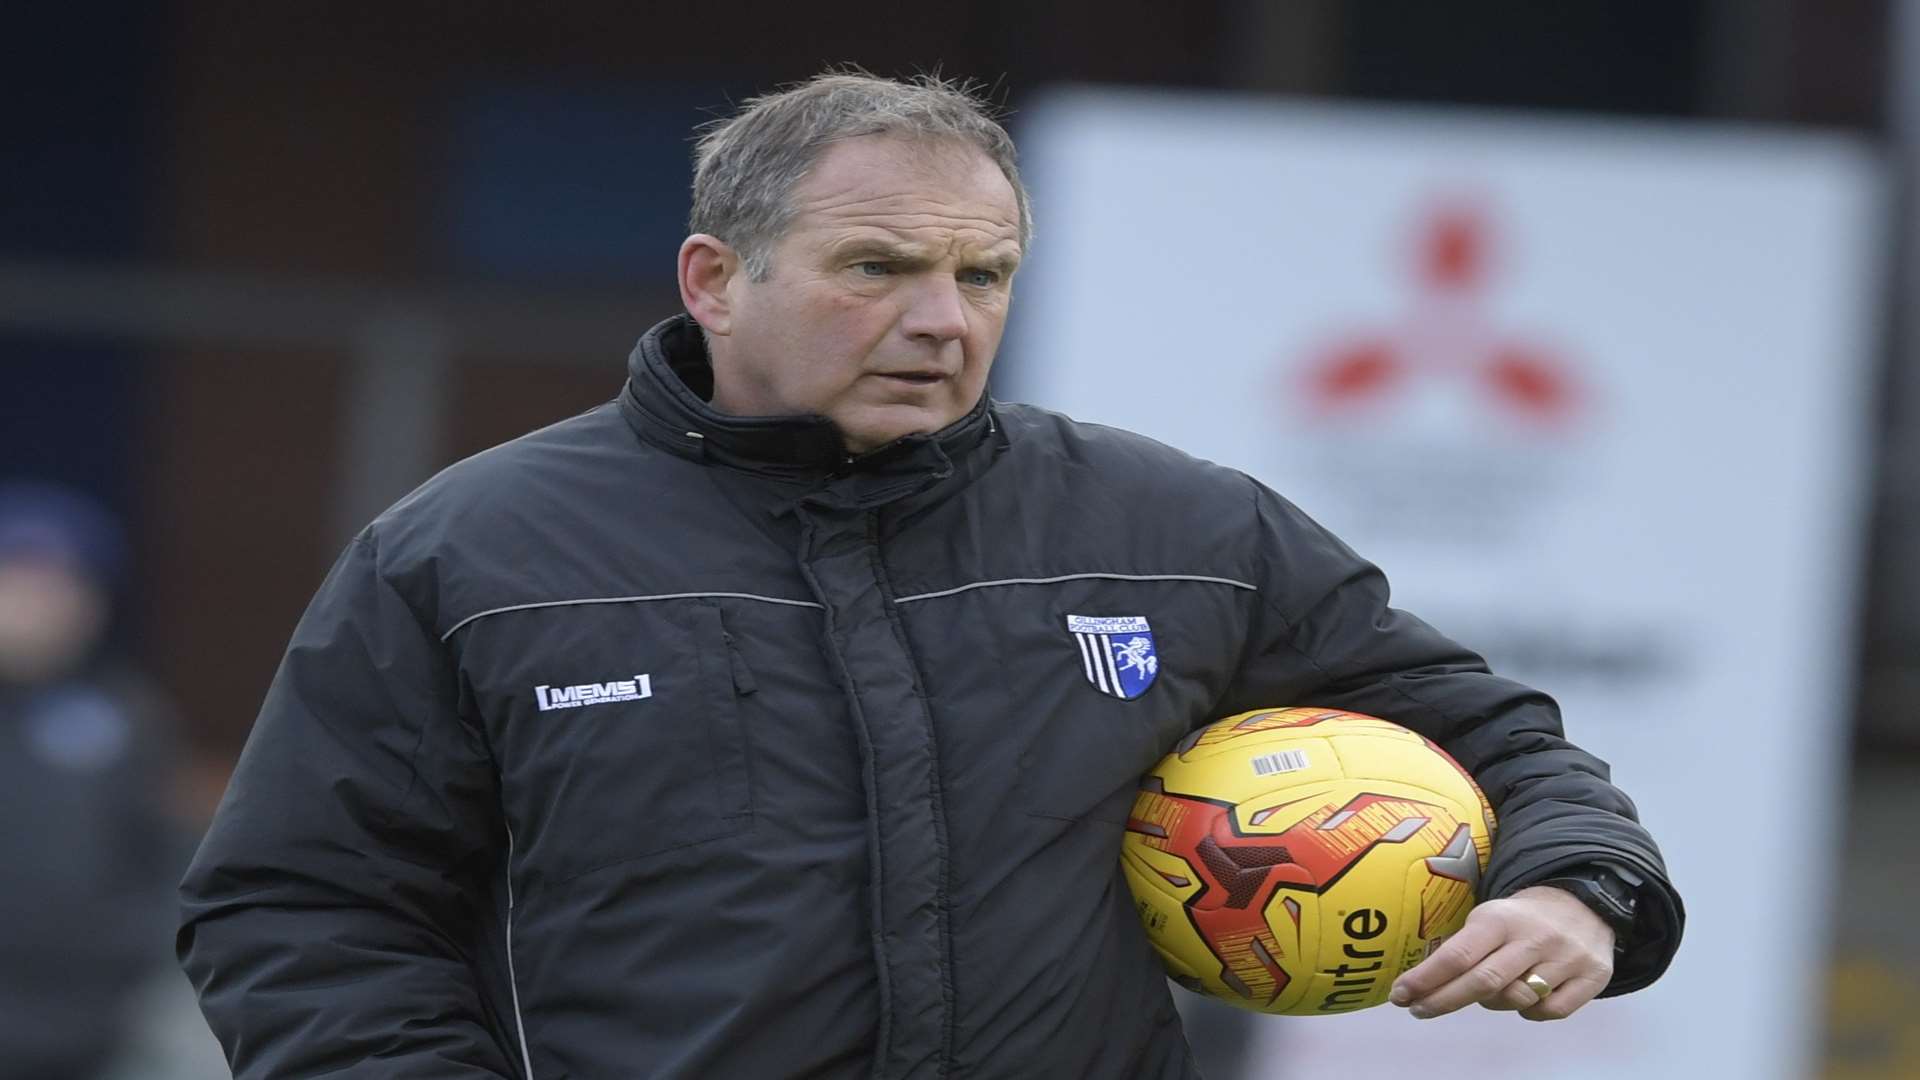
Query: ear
[708,268]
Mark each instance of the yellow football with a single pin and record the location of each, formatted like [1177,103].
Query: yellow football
[1296,861]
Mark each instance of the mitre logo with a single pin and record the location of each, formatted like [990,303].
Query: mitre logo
[583,694]
[1355,980]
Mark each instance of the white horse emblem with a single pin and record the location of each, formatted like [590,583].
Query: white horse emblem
[1137,655]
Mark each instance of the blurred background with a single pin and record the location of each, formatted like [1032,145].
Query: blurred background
[264,267]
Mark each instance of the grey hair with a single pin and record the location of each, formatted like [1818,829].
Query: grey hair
[746,166]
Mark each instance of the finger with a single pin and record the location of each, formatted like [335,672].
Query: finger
[1455,957]
[1486,980]
[1512,997]
[1517,995]
[1566,1000]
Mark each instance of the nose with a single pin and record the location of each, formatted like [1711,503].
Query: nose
[935,311]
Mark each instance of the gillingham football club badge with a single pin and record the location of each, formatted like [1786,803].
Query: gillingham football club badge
[1116,652]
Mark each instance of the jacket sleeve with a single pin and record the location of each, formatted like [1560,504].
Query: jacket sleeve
[331,917]
[1325,635]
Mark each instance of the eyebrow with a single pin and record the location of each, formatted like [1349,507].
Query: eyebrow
[1004,262]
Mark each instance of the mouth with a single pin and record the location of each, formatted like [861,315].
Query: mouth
[913,378]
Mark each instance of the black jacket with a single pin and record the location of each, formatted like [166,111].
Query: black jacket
[664,743]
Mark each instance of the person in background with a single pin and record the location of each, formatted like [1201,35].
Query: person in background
[85,839]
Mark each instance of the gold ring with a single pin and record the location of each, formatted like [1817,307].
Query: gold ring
[1540,987]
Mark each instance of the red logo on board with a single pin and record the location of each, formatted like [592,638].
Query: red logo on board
[1447,333]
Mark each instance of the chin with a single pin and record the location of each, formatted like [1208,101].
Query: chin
[878,427]
[866,443]
[861,438]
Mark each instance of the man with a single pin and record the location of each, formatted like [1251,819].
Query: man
[734,728]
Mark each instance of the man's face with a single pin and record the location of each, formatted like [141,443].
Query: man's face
[887,296]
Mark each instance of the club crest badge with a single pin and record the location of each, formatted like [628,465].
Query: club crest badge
[1116,652]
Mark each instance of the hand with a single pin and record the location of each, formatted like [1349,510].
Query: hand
[1540,931]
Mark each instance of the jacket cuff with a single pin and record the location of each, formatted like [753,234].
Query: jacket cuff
[1659,921]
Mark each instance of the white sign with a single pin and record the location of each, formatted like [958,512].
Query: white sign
[1594,395]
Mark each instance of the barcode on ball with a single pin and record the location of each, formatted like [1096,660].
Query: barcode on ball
[1280,761]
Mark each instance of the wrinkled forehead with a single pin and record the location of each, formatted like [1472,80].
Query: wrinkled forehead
[924,192]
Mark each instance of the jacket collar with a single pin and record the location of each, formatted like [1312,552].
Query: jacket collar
[670,377]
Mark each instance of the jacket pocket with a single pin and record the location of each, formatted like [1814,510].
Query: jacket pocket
[656,760]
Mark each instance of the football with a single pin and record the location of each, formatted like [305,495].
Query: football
[1296,861]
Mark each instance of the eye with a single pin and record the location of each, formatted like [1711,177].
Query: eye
[872,268]
[984,279]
